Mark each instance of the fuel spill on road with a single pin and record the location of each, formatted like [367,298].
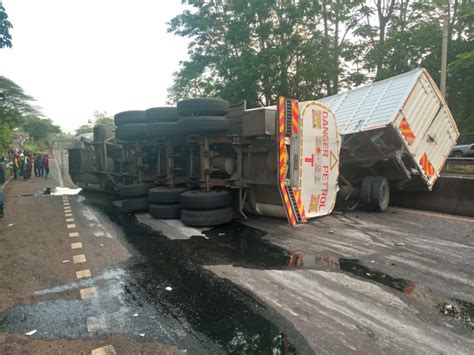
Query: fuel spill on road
[163,293]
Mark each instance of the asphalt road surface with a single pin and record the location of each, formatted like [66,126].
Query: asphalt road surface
[80,278]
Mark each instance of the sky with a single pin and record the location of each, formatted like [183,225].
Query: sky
[78,56]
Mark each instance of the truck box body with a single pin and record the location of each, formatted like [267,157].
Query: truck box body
[400,128]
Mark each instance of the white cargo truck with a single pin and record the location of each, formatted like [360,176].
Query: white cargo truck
[397,132]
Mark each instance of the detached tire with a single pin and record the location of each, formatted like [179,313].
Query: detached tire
[203,107]
[203,125]
[206,218]
[161,114]
[201,200]
[365,192]
[161,129]
[129,117]
[165,195]
[379,194]
[165,211]
[130,132]
[136,190]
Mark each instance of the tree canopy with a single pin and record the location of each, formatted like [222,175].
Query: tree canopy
[5,26]
[98,118]
[257,50]
[40,129]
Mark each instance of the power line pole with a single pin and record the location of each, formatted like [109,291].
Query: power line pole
[444,55]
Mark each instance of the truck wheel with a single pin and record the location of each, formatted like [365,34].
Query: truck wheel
[132,205]
[161,114]
[365,192]
[165,195]
[203,200]
[210,106]
[135,190]
[161,129]
[128,117]
[203,125]
[165,211]
[206,218]
[129,132]
[380,194]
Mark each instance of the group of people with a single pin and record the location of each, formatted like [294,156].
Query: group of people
[25,163]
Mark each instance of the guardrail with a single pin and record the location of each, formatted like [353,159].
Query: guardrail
[460,161]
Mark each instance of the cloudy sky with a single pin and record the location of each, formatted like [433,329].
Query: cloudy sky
[78,56]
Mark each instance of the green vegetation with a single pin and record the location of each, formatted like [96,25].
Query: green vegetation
[5,26]
[98,118]
[257,50]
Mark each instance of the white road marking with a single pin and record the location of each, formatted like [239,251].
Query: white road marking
[70,226]
[96,323]
[77,245]
[69,219]
[87,293]
[83,273]
[67,210]
[105,350]
[73,234]
[66,203]
[68,215]
[81,258]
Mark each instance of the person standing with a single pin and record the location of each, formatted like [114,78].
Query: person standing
[29,167]
[23,166]
[45,163]
[16,166]
[38,165]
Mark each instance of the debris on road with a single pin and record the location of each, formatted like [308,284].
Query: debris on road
[66,261]
[10,225]
[400,244]
[31,332]
[142,334]
[135,314]
[168,288]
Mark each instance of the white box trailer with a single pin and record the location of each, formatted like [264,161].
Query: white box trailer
[399,128]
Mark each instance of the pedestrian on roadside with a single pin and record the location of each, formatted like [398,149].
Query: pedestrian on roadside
[38,165]
[16,166]
[45,163]
[23,166]
[29,167]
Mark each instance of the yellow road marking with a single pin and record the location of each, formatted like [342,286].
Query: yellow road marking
[73,234]
[77,245]
[70,226]
[81,258]
[87,293]
[83,273]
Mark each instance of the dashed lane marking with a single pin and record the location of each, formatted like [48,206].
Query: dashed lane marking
[73,234]
[70,226]
[81,258]
[66,203]
[105,350]
[68,215]
[69,219]
[83,273]
[87,293]
[77,245]
[67,210]
[95,324]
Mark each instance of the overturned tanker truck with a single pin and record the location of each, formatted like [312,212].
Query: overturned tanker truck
[207,162]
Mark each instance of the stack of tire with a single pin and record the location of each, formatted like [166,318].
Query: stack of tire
[203,116]
[134,198]
[165,202]
[149,124]
[206,209]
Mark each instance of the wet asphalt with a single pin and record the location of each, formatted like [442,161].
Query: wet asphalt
[164,293]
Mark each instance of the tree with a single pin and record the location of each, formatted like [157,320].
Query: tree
[40,129]
[5,26]
[101,118]
[83,129]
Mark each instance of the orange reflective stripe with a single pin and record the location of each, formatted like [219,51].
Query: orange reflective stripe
[426,165]
[406,131]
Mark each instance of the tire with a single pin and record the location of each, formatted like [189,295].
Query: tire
[161,114]
[165,195]
[203,125]
[199,200]
[379,194]
[206,218]
[203,107]
[129,117]
[136,190]
[161,129]
[131,132]
[132,205]
[165,211]
[365,192]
